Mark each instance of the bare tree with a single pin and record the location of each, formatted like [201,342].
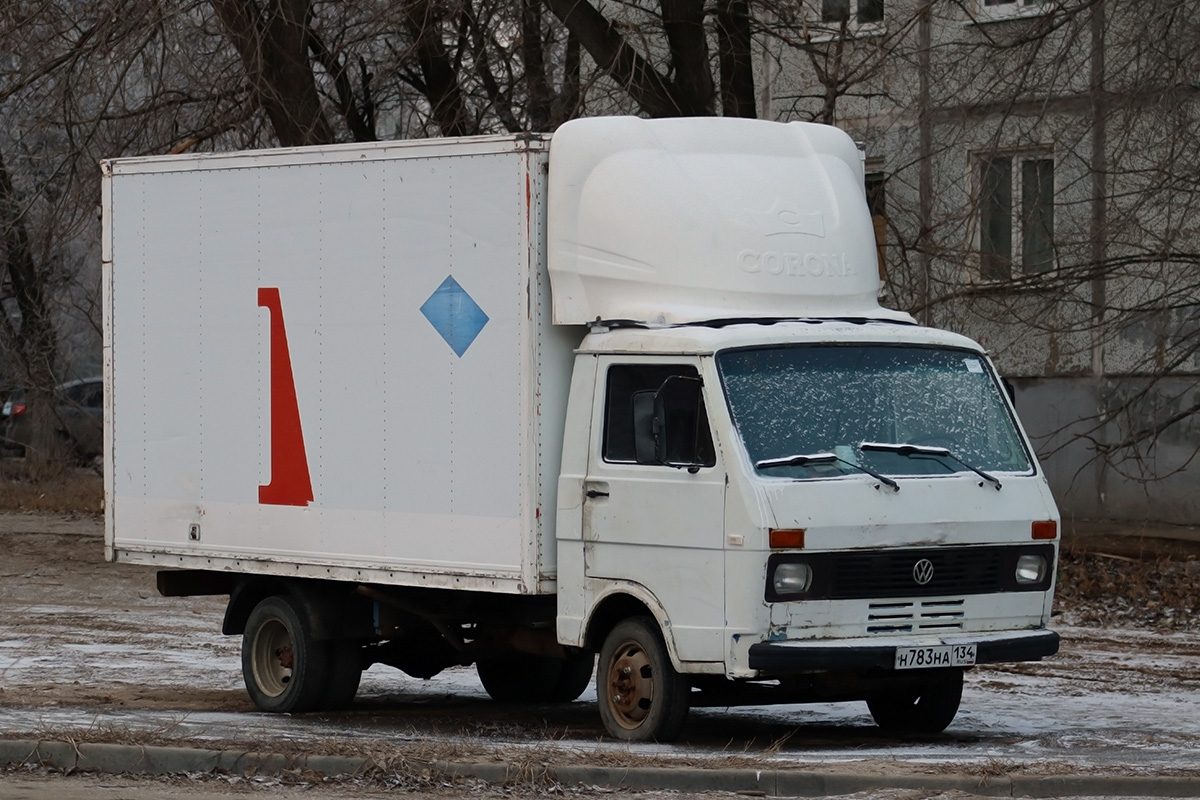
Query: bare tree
[1095,100]
[274,42]
[682,83]
[325,72]
[29,334]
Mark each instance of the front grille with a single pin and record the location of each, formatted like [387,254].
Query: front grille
[925,572]
[890,574]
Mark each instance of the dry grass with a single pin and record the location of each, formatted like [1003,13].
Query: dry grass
[1149,590]
[76,491]
[416,760]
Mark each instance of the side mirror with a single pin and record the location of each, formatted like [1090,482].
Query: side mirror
[670,427]
[679,415]
[645,427]
[1012,390]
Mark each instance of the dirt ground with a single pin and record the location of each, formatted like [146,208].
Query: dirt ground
[69,594]
[1118,591]
[90,652]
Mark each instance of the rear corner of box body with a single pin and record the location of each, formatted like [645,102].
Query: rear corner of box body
[332,360]
[106,217]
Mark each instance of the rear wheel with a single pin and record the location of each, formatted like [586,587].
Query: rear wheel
[525,678]
[928,708]
[284,668]
[575,673]
[640,695]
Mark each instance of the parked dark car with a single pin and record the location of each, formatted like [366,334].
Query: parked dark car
[79,417]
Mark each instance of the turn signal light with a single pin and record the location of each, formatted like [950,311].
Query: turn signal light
[1045,529]
[786,538]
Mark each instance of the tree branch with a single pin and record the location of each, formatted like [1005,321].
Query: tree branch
[613,54]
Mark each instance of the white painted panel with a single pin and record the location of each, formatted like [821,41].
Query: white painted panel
[452,544]
[421,452]
[155,322]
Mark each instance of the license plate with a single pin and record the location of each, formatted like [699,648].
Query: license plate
[949,655]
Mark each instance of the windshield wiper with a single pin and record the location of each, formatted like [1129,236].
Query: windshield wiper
[804,459]
[925,451]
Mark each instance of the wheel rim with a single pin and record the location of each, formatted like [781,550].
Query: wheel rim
[630,685]
[273,658]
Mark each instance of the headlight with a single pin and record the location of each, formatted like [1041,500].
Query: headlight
[791,577]
[1031,569]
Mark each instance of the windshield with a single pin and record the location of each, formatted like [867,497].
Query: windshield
[830,399]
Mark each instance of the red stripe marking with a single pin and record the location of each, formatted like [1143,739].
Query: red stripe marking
[290,483]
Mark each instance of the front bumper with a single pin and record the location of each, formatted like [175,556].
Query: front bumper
[874,654]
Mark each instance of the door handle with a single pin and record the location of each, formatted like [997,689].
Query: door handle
[596,489]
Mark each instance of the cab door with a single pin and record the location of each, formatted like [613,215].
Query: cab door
[654,497]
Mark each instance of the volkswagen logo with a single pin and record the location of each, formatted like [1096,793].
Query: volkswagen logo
[923,571]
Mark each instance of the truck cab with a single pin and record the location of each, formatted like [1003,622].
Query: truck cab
[817,510]
[834,505]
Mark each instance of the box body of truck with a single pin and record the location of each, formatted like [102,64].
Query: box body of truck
[336,362]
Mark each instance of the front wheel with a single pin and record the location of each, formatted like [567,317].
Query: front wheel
[284,668]
[641,696]
[928,708]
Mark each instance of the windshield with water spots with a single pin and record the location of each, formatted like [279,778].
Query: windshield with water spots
[829,399]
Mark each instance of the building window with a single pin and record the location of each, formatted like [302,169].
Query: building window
[1016,216]
[864,11]
[1006,9]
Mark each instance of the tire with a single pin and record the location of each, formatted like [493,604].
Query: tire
[345,673]
[285,669]
[522,678]
[575,673]
[641,696]
[926,709]
[519,678]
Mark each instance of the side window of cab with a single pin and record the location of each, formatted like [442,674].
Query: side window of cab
[654,414]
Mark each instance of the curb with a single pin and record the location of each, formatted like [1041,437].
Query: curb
[154,760]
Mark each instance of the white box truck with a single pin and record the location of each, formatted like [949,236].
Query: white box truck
[519,401]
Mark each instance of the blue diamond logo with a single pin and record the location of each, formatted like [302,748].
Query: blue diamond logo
[454,315]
